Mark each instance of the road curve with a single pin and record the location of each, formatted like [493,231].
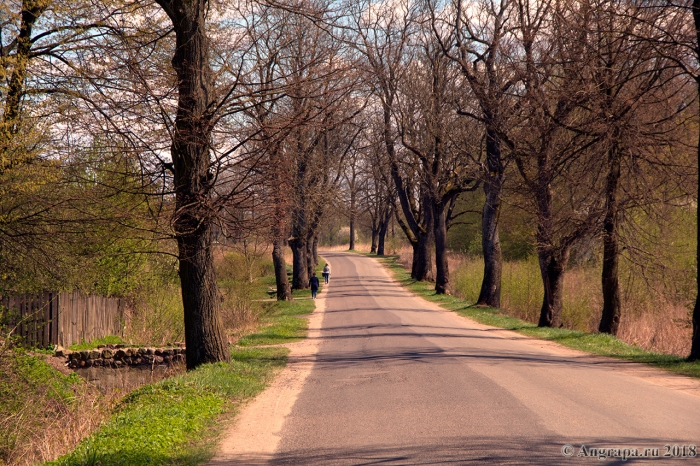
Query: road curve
[397,380]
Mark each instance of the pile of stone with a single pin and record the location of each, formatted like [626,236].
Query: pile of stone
[120,356]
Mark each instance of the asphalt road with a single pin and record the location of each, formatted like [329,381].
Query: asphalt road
[396,380]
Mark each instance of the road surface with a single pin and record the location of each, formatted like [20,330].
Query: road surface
[393,379]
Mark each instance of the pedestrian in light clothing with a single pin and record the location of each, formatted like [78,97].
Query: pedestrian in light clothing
[326,273]
[314,285]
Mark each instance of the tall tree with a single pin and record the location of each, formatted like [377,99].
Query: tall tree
[193,181]
[439,142]
[475,37]
[383,37]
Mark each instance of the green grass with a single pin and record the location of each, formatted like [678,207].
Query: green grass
[171,422]
[596,343]
[280,321]
[88,345]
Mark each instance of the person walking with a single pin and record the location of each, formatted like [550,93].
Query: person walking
[314,285]
[326,272]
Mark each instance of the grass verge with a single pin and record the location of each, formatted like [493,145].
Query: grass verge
[173,421]
[596,343]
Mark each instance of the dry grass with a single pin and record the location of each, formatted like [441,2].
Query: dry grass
[650,320]
[45,413]
[666,331]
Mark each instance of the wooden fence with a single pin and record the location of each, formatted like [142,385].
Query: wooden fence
[64,318]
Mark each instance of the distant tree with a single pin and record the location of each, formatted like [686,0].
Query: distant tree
[383,35]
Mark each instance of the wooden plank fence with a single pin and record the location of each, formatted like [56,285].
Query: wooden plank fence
[64,318]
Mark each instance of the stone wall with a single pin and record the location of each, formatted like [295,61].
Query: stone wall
[120,356]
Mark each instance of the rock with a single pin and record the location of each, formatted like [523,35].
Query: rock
[159,352]
[82,363]
[89,362]
[168,352]
[142,351]
[59,351]
[107,353]
[84,355]
[129,352]
[119,346]
[120,354]
[73,363]
[158,359]
[167,359]
[150,351]
[100,346]
[118,363]
[94,354]
[137,361]
[127,361]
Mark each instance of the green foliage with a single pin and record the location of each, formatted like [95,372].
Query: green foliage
[167,422]
[157,314]
[87,345]
[516,229]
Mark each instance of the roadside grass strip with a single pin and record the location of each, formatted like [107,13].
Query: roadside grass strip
[173,421]
[597,343]
[281,323]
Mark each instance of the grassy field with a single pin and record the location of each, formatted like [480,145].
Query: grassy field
[596,343]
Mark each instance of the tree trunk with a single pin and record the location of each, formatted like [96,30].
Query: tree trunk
[490,294]
[610,319]
[383,228]
[442,278]
[284,292]
[695,345]
[300,266]
[552,270]
[552,259]
[192,221]
[352,233]
[204,333]
[375,234]
[10,125]
[352,218]
[311,253]
[422,265]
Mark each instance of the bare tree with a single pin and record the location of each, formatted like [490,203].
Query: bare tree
[437,140]
[383,37]
[475,37]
